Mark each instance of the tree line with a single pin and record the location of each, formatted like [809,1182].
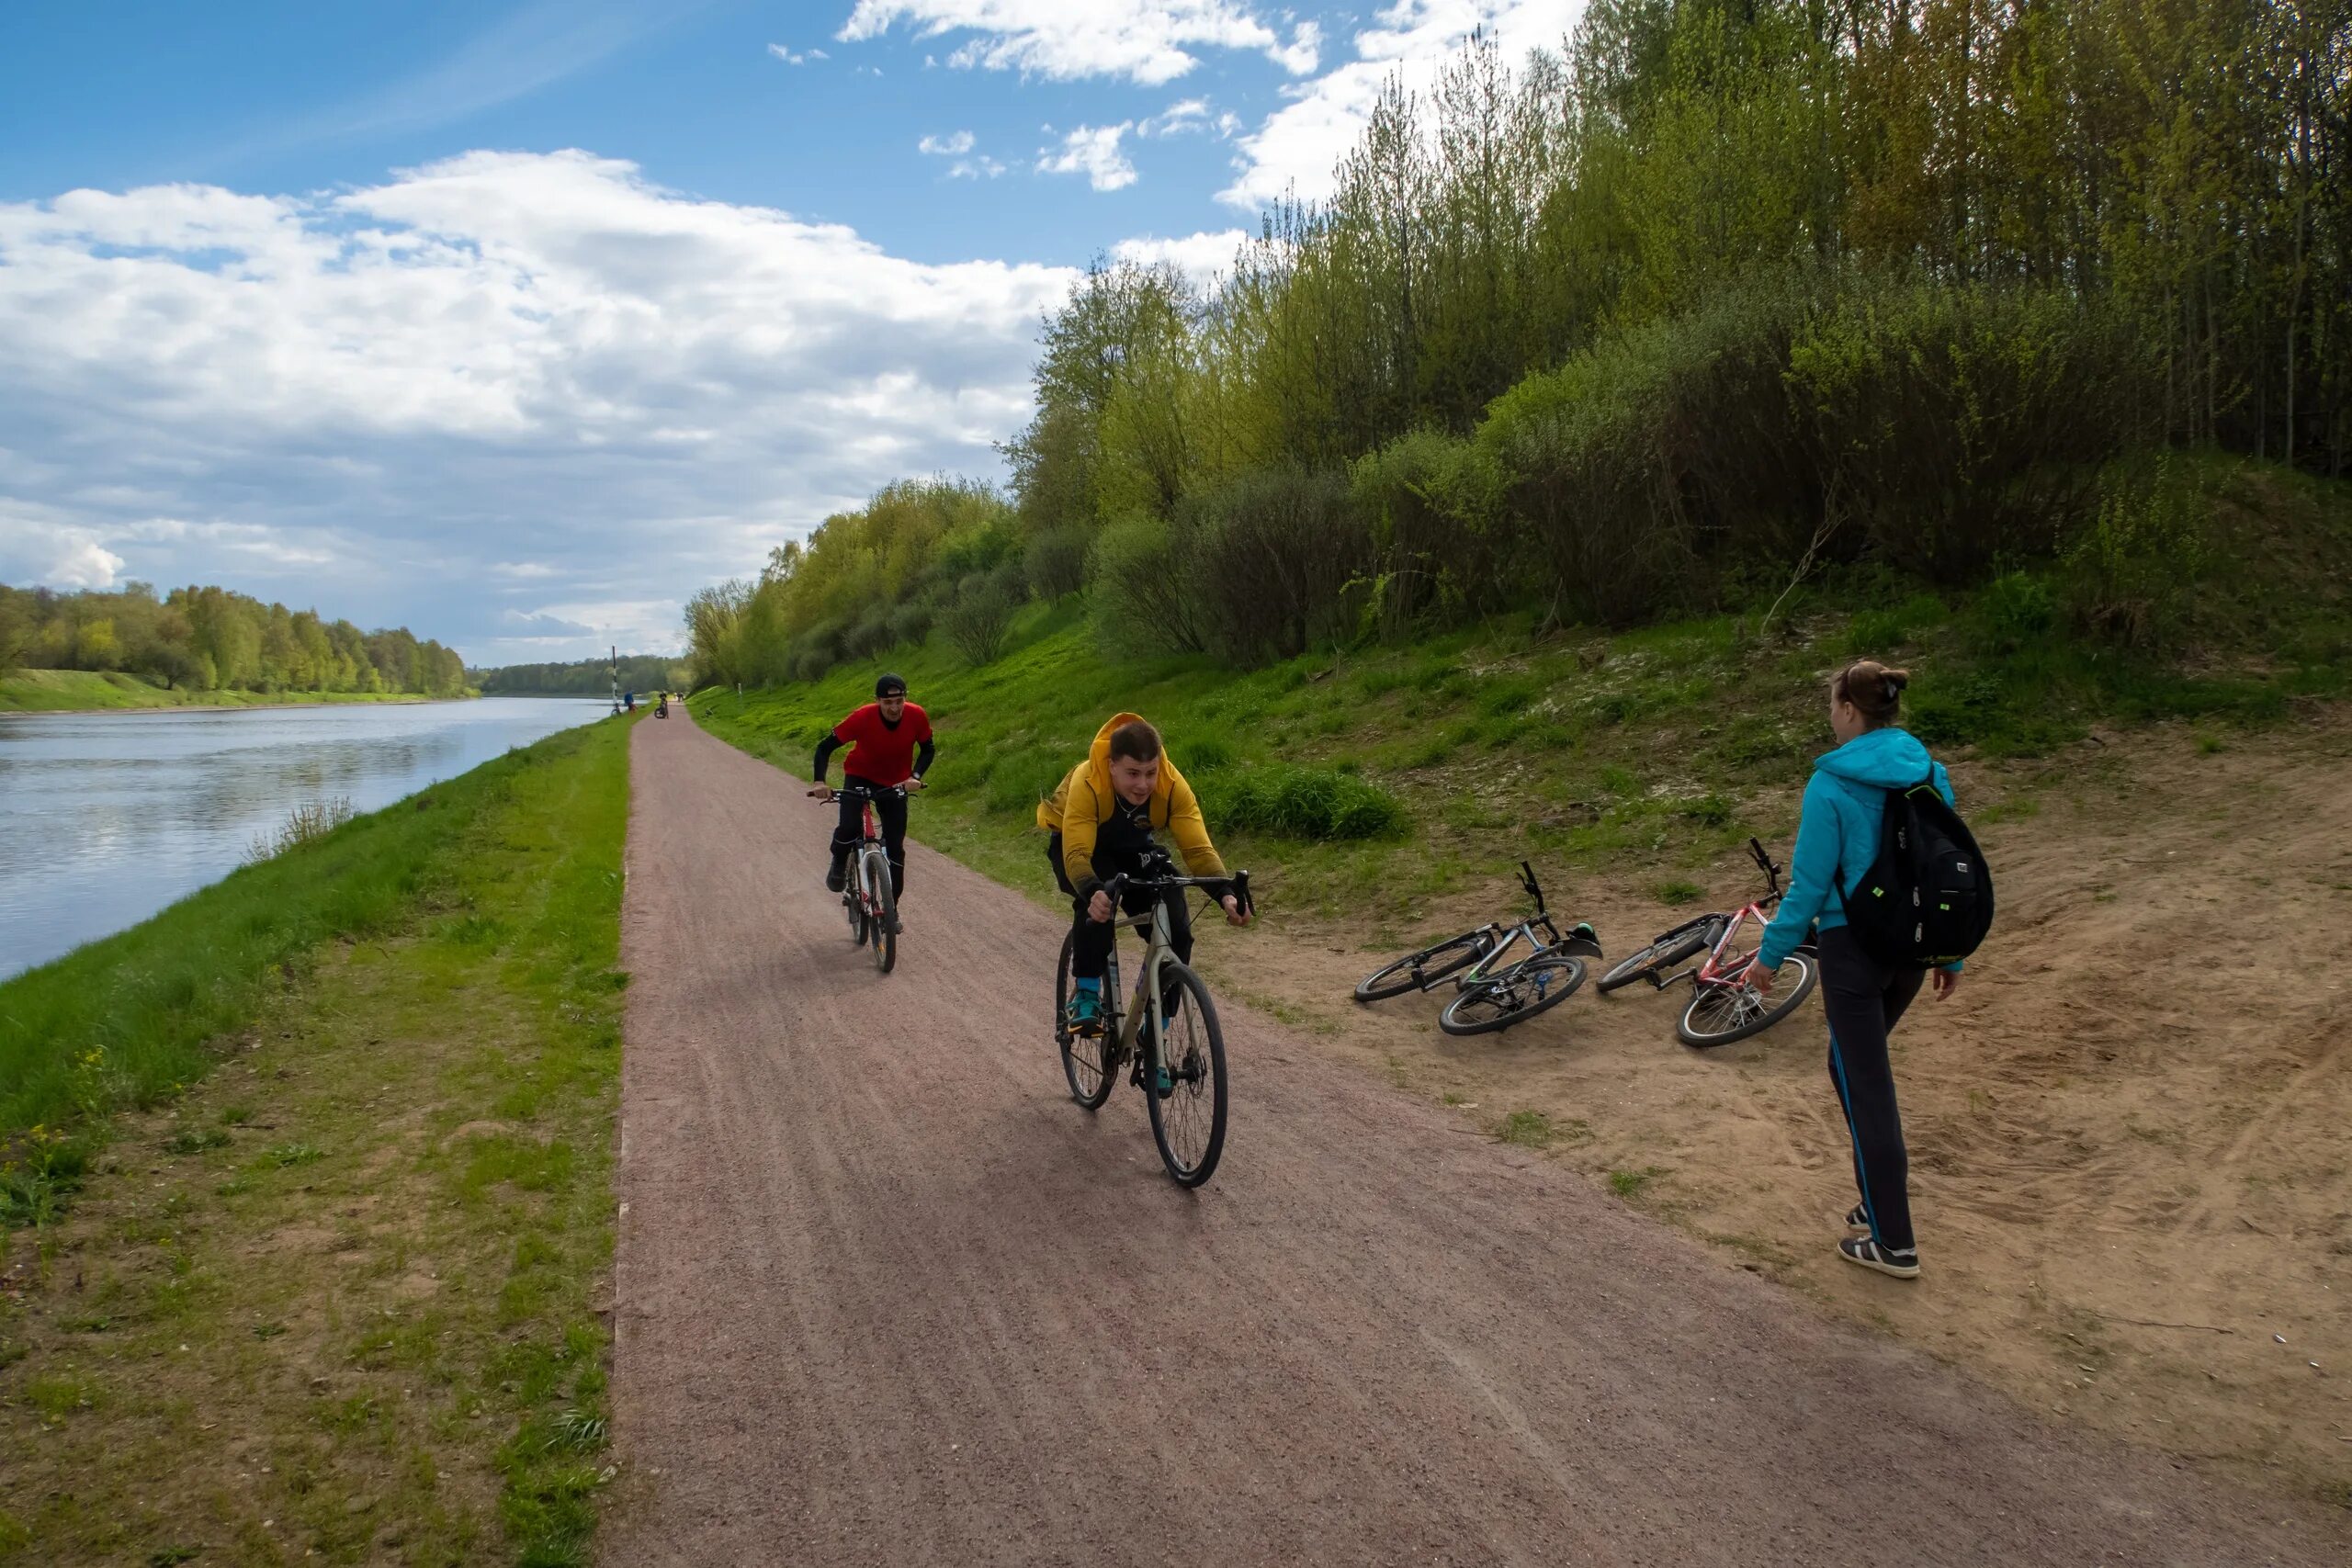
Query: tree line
[1718,293]
[212,639]
[580,678]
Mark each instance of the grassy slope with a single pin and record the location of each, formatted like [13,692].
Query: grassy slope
[1645,754]
[85,691]
[339,1298]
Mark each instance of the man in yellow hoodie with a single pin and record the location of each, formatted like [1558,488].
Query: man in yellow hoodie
[1102,816]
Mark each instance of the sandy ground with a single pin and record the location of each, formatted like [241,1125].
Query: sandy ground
[2131,1131]
[884,1295]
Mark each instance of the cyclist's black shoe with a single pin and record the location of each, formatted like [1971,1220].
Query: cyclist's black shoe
[836,878]
[1866,1252]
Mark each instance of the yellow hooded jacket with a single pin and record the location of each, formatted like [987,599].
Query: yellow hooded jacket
[1084,800]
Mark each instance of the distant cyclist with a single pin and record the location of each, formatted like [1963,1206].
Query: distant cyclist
[889,744]
[1838,840]
[1102,818]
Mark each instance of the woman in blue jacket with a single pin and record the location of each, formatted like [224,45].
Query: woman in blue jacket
[1838,840]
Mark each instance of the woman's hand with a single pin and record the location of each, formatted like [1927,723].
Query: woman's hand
[1233,915]
[823,793]
[1946,982]
[1098,908]
[1757,978]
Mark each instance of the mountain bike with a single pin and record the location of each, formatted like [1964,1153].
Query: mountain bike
[866,898]
[1494,994]
[1168,1032]
[1722,1008]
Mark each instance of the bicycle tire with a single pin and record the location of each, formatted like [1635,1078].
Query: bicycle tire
[884,922]
[1784,1001]
[1505,995]
[1455,952]
[1676,946]
[1075,1049]
[1174,1117]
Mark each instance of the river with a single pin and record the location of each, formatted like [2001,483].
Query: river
[107,817]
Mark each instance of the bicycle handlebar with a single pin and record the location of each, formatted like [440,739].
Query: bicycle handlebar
[1239,881]
[859,792]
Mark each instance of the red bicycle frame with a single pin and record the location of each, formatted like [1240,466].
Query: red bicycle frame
[1724,967]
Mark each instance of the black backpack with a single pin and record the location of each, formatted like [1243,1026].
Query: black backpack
[1928,900]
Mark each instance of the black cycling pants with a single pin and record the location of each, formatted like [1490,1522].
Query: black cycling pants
[1864,999]
[890,811]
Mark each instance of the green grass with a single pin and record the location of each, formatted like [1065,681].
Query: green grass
[1361,782]
[356,1319]
[84,690]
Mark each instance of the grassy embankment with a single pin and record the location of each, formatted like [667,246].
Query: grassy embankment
[86,691]
[1370,782]
[309,1199]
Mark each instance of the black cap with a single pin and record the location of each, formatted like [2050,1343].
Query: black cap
[889,684]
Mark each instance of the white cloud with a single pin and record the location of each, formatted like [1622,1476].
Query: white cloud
[1186,117]
[954,145]
[1203,258]
[980,168]
[802,58]
[1149,41]
[1301,143]
[504,367]
[1092,150]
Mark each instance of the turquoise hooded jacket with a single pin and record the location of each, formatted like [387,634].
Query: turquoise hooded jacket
[1845,805]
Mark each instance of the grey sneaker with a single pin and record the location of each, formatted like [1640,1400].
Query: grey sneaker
[1866,1253]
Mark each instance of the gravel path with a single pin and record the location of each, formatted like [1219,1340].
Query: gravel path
[885,1295]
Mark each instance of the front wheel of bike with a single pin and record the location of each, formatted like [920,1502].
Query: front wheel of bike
[1415,970]
[1723,1010]
[1682,943]
[883,923]
[1188,1116]
[855,908]
[1087,1060]
[1516,995]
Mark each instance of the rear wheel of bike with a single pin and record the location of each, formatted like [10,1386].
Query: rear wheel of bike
[1724,1011]
[1668,951]
[1516,995]
[1415,969]
[1086,1058]
[1188,1122]
[882,925]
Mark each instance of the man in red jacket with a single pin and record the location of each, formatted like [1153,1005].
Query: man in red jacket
[889,744]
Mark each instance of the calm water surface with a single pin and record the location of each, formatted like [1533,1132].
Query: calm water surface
[107,817]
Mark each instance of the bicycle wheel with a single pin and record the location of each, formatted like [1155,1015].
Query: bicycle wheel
[1085,1057]
[1516,995]
[1726,1010]
[1683,941]
[883,924]
[1188,1122]
[1412,971]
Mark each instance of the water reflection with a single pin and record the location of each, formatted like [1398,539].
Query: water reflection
[105,818]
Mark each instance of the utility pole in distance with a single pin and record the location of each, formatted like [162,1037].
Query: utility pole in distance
[617,677]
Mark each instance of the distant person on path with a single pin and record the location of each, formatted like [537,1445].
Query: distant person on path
[1837,842]
[889,744]
[1102,818]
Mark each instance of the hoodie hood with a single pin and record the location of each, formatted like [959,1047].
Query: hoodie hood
[1883,759]
[1097,756]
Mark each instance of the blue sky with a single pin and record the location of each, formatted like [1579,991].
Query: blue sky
[517,323]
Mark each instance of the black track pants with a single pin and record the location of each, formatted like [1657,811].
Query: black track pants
[1863,999]
[890,813]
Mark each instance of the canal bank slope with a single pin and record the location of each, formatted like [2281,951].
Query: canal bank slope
[90,691]
[308,1200]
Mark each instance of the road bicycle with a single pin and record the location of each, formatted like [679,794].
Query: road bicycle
[1494,994]
[1168,1031]
[866,896]
[1722,1007]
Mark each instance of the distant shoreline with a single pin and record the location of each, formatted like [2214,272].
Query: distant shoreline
[32,692]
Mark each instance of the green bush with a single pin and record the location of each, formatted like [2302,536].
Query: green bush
[1433,504]
[1054,563]
[1138,594]
[2134,572]
[1268,558]
[1292,801]
[980,623]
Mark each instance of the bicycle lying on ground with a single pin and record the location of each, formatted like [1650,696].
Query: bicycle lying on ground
[1168,1031]
[1494,994]
[1722,1008]
[867,897]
